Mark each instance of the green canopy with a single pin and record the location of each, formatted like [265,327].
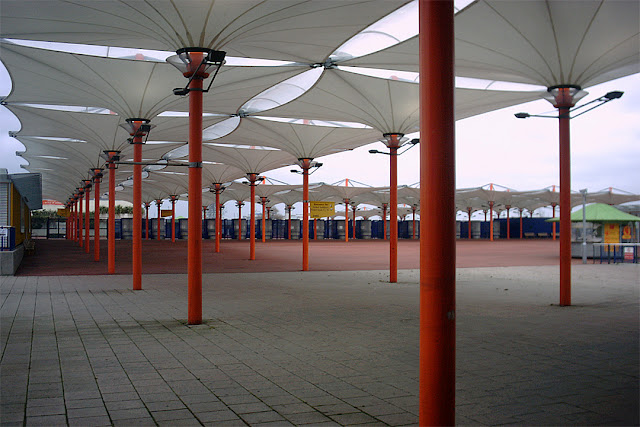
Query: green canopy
[599,212]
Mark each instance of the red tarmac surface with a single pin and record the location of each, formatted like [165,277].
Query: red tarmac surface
[63,257]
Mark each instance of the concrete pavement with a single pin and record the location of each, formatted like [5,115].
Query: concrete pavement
[316,348]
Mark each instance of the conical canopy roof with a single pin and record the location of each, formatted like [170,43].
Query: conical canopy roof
[535,42]
[387,105]
[246,159]
[294,30]
[549,42]
[299,140]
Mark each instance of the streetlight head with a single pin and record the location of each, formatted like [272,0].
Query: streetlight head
[415,141]
[522,115]
[614,95]
[181,91]
[373,151]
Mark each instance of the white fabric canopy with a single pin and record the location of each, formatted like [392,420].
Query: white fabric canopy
[293,30]
[541,42]
[299,140]
[389,106]
[246,159]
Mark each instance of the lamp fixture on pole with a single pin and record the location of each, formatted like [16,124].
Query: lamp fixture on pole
[210,61]
[564,98]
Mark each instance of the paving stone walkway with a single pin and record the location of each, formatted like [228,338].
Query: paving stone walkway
[316,348]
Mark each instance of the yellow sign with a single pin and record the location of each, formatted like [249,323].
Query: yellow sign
[166,212]
[63,213]
[322,209]
[626,232]
[611,233]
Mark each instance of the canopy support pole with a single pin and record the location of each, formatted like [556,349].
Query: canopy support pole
[111,221]
[305,164]
[194,244]
[137,211]
[437,226]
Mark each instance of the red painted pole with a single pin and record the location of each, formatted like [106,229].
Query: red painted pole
[136,256]
[393,143]
[491,221]
[346,220]
[305,164]
[240,204]
[315,228]
[87,218]
[159,206]
[469,231]
[289,233]
[384,221]
[437,225]
[263,200]
[97,173]
[520,222]
[194,243]
[353,229]
[146,220]
[72,236]
[252,226]
[80,220]
[553,207]
[217,188]
[111,221]
[413,227]
[508,223]
[565,102]
[173,218]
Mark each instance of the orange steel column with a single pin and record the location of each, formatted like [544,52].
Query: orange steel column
[564,103]
[384,221]
[97,176]
[491,221]
[305,164]
[553,207]
[353,229]
[111,221]
[252,226]
[87,218]
[72,234]
[263,201]
[437,225]
[346,220]
[136,252]
[520,222]
[393,142]
[147,205]
[195,192]
[239,205]
[80,219]
[159,206]
[413,208]
[71,218]
[218,188]
[137,214]
[508,225]
[173,218]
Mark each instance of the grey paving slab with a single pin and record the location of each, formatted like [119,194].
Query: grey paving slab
[316,348]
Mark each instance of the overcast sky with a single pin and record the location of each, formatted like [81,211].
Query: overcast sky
[495,147]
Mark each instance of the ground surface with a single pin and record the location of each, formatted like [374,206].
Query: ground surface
[67,258]
[314,348]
